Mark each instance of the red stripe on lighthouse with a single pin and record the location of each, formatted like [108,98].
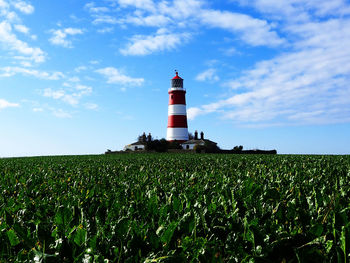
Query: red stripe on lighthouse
[177,121]
[177,97]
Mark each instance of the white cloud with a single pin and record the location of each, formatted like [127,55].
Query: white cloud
[22,28]
[59,36]
[185,9]
[231,51]
[5,104]
[38,109]
[83,90]
[105,19]
[193,112]
[93,9]
[23,6]
[61,113]
[144,45]
[10,16]
[11,42]
[186,15]
[252,30]
[306,86]
[91,106]
[74,79]
[299,10]
[141,4]
[3,5]
[80,68]
[105,30]
[148,13]
[70,96]
[71,99]
[11,71]
[114,76]
[151,20]
[189,14]
[53,94]
[208,75]
[26,64]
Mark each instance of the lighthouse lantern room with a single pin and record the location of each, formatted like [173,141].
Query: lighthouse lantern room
[177,116]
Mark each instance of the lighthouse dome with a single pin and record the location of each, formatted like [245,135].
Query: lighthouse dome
[176,82]
[177,76]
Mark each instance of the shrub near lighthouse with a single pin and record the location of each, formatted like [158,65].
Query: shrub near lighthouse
[177,117]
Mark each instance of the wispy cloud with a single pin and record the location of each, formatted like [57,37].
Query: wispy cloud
[6,13]
[115,76]
[306,86]
[140,4]
[253,31]
[184,21]
[144,45]
[307,83]
[4,5]
[105,30]
[194,112]
[91,106]
[298,10]
[38,109]
[23,7]
[151,20]
[11,42]
[60,113]
[22,28]
[59,36]
[11,71]
[5,104]
[104,19]
[70,96]
[208,75]
[92,8]
[80,68]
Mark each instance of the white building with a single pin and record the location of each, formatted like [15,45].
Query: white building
[136,146]
[190,144]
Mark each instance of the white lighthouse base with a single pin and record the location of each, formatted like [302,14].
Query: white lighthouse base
[178,134]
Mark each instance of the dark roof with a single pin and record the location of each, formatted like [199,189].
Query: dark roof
[138,143]
[177,76]
[193,141]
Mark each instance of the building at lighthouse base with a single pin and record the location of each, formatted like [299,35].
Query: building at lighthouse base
[195,142]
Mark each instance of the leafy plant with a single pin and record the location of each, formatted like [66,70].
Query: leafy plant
[175,208]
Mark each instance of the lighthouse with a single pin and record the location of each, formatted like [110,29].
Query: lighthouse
[177,116]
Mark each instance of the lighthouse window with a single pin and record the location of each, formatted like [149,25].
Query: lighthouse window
[171,96]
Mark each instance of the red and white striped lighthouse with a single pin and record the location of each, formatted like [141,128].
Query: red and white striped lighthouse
[177,116]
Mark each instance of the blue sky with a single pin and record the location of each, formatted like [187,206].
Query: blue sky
[82,77]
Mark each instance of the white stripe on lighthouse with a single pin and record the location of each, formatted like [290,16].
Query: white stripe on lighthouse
[177,109]
[177,134]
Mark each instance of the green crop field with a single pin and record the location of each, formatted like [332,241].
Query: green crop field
[175,208]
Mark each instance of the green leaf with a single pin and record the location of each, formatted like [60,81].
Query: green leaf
[11,234]
[93,242]
[177,204]
[63,216]
[80,236]
[160,230]
[317,230]
[345,240]
[168,233]
[329,245]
